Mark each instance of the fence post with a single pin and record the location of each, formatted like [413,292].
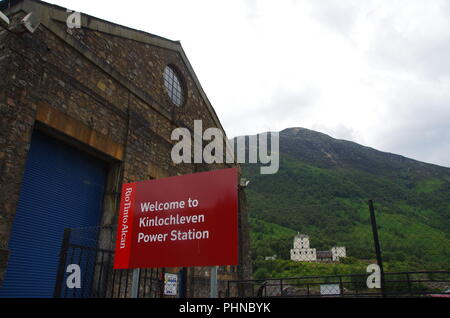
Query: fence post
[409,284]
[281,287]
[377,246]
[162,282]
[62,262]
[341,286]
[183,280]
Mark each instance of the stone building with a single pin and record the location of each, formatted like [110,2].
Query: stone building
[83,110]
[302,252]
[338,252]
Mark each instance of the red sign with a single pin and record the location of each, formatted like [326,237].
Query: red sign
[188,220]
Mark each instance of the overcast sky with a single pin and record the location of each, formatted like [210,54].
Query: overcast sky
[374,72]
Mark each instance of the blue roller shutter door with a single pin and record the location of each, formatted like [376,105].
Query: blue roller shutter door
[62,188]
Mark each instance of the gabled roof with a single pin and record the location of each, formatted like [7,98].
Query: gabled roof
[49,13]
[324,254]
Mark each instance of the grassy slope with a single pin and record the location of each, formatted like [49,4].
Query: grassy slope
[331,206]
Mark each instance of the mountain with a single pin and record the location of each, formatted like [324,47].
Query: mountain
[326,152]
[322,189]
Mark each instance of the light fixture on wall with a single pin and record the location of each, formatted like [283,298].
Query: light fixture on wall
[244,182]
[4,20]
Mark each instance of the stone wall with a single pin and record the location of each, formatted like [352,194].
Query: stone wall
[100,91]
[17,114]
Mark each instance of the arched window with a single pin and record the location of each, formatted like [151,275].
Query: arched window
[174,87]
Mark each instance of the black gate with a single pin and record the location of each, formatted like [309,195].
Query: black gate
[91,250]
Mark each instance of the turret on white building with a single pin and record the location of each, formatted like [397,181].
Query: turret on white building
[301,251]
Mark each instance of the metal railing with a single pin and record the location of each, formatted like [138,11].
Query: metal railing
[92,249]
[397,284]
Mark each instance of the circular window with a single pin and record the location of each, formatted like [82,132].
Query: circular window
[173,86]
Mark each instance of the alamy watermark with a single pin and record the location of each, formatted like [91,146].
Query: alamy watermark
[374,279]
[74,278]
[220,150]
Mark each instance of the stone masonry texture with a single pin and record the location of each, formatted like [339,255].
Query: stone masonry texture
[105,84]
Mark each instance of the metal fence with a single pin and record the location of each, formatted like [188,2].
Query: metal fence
[337,242]
[401,284]
[310,266]
[92,250]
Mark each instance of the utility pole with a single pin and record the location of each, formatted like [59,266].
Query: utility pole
[377,246]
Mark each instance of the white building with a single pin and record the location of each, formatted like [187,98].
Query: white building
[302,252]
[338,252]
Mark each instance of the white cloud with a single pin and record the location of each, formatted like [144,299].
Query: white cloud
[375,71]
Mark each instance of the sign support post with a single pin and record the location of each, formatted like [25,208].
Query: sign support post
[135,283]
[214,293]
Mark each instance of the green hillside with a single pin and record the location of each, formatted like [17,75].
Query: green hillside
[322,189]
